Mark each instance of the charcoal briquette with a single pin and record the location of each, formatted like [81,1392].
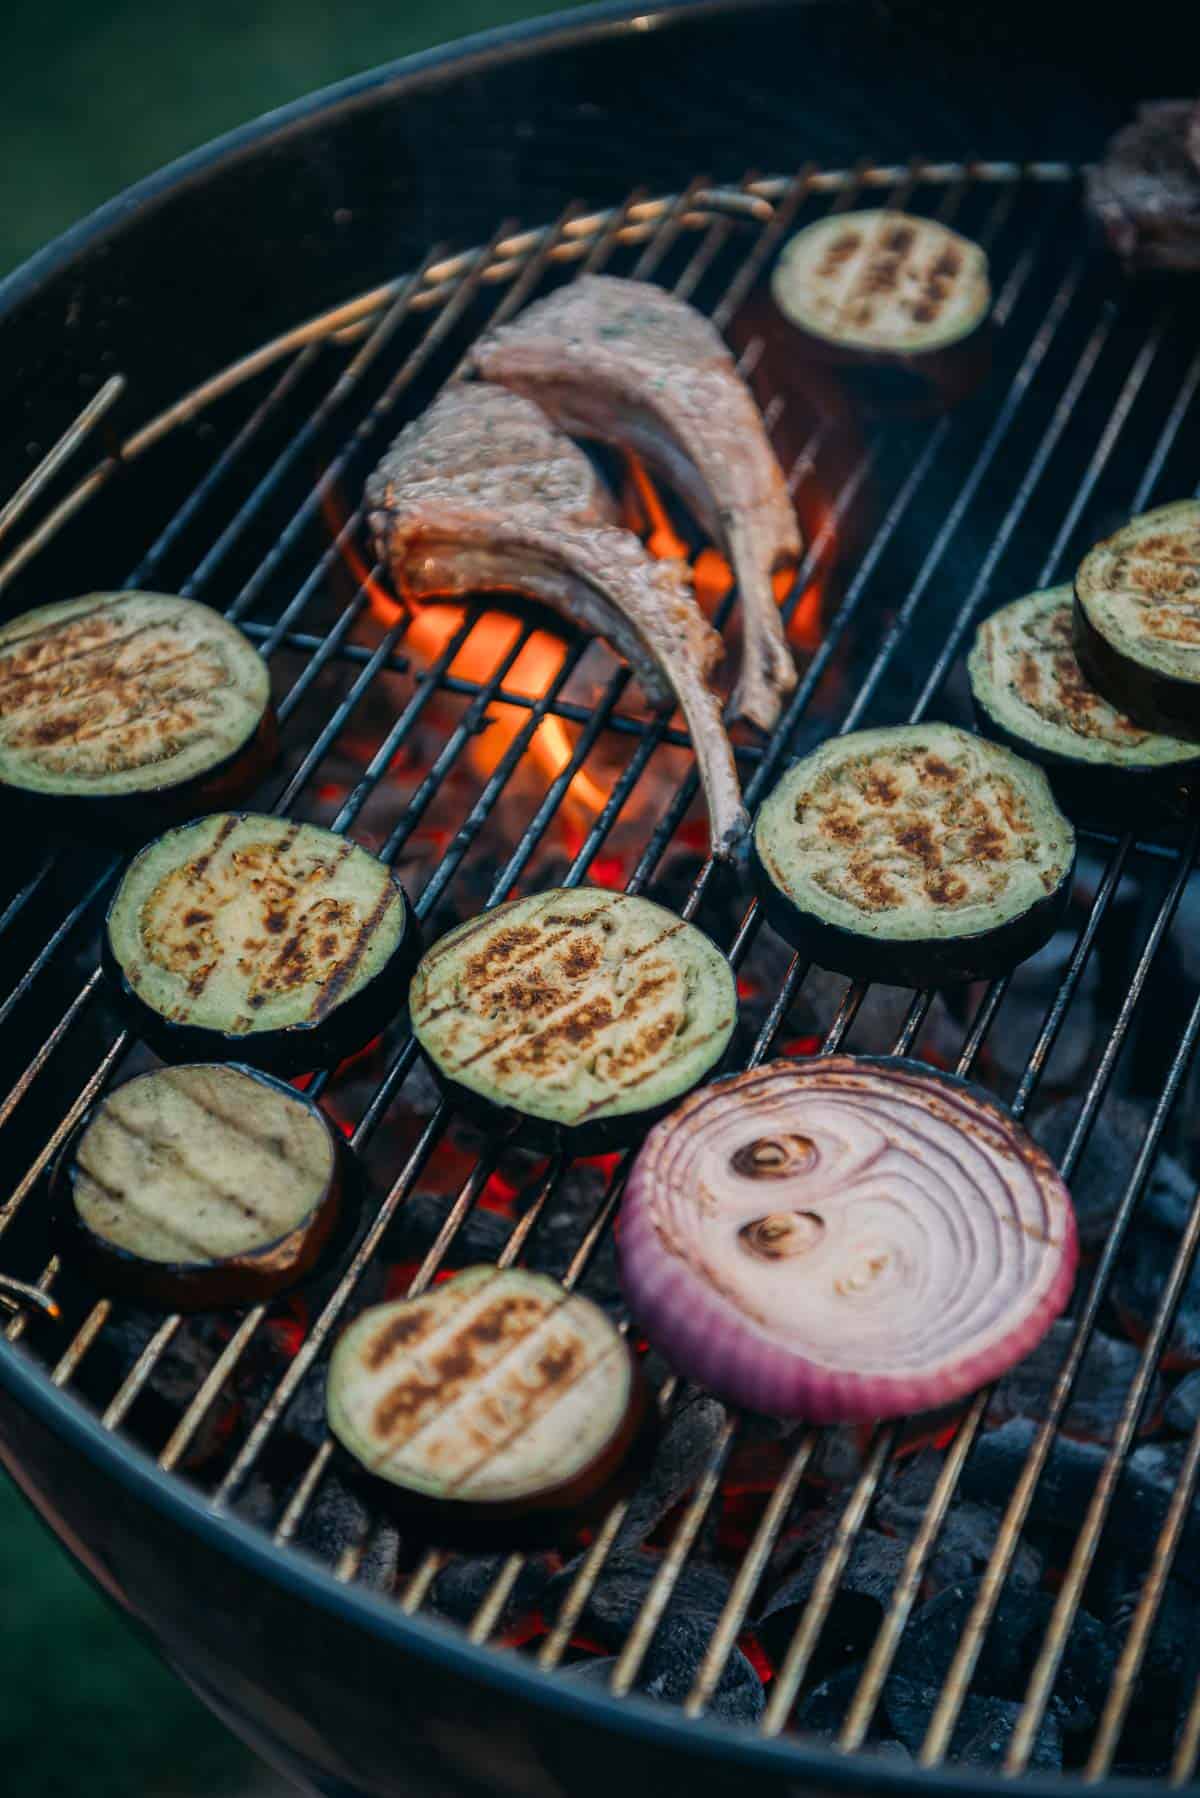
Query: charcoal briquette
[686,1445]
[983,1732]
[1104,1378]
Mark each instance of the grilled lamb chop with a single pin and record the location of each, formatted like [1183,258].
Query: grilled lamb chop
[483,494]
[1146,192]
[629,364]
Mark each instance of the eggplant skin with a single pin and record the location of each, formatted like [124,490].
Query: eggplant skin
[552,1518]
[1106,797]
[1155,701]
[231,1284]
[600,1136]
[931,961]
[133,818]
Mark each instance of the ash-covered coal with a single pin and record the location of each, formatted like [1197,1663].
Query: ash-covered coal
[1136,1292]
[983,1732]
[465,1581]
[337,1518]
[1101,1386]
[681,1640]
[1032,988]
[739,1698]
[967,1536]
[863,1595]
[1140,1500]
[1009,1651]
[1146,192]
[414,1228]
[1099,1181]
[1182,1409]
[683,1452]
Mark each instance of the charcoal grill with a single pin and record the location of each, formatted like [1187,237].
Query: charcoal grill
[296,285]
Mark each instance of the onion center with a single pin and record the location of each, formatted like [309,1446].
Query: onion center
[773,1157]
[782,1234]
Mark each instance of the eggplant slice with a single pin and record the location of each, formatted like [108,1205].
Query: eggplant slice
[915,856]
[251,938]
[882,281]
[200,1187]
[1137,619]
[493,1401]
[135,710]
[586,1013]
[1030,694]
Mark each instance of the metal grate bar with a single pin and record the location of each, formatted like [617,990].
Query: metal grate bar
[1129,1666]
[966,1655]
[1045,1671]
[60,453]
[446,287]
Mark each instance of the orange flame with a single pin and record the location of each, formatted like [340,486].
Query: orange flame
[712,576]
[431,628]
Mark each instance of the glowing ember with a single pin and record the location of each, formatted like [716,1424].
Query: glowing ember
[431,628]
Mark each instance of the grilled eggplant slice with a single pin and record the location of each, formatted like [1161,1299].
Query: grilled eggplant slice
[197,1188]
[131,711]
[497,1403]
[915,856]
[586,1013]
[882,282]
[1137,619]
[1030,694]
[249,938]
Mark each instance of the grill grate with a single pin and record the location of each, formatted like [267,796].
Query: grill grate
[1090,404]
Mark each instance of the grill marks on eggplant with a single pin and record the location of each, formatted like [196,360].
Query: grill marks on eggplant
[198,1186]
[120,693]
[1024,671]
[243,925]
[495,1389]
[1141,588]
[882,280]
[1137,619]
[575,1006]
[902,841]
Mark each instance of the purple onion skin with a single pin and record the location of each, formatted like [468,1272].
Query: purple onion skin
[710,1339]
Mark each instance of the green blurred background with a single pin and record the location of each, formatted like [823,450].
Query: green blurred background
[93,94]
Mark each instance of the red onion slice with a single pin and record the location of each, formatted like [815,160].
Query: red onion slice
[843,1239]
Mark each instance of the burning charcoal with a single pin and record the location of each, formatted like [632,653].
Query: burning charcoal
[878,1021]
[1010,1649]
[686,1445]
[738,1698]
[983,1731]
[1182,1411]
[1098,1183]
[463,1584]
[481,1236]
[568,1216]
[1104,1379]
[863,1595]
[1137,1289]
[823,1712]
[967,1536]
[335,1519]
[1146,192]
[619,1592]
[1031,993]
[1139,1504]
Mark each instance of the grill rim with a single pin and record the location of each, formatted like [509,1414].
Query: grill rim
[476,52]
[447,1646]
[434,1641]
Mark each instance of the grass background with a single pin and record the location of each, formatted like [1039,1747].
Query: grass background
[94,94]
